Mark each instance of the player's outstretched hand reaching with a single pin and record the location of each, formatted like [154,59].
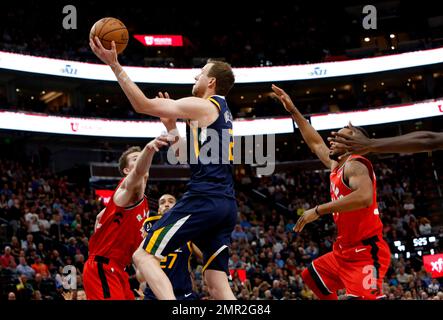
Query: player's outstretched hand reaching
[284,99]
[357,143]
[107,56]
[307,217]
[160,142]
[169,123]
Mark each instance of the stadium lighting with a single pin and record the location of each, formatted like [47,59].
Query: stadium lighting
[81,70]
[367,39]
[392,36]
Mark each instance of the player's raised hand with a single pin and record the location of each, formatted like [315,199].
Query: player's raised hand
[307,217]
[160,141]
[107,56]
[284,99]
[169,123]
[357,143]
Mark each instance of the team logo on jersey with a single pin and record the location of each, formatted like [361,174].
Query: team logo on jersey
[228,116]
[118,217]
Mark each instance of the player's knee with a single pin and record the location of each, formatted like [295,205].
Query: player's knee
[138,256]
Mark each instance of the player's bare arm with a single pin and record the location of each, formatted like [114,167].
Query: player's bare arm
[192,108]
[419,141]
[361,197]
[133,185]
[310,135]
[170,124]
[97,219]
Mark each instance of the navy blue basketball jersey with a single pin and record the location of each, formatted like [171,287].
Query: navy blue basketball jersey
[177,267]
[210,153]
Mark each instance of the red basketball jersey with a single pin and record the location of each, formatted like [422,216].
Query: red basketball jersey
[119,231]
[356,225]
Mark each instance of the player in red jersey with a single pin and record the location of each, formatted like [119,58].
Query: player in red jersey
[360,257]
[118,228]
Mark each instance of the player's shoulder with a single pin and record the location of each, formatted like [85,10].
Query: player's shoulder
[358,165]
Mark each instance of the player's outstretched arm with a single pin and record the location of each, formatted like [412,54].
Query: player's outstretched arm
[186,108]
[135,181]
[97,219]
[419,141]
[179,144]
[310,135]
[361,197]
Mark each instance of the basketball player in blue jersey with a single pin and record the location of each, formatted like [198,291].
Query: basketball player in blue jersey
[207,213]
[177,264]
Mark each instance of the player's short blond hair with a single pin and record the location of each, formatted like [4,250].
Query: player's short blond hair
[222,72]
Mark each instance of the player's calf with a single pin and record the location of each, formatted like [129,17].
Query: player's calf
[218,285]
[149,268]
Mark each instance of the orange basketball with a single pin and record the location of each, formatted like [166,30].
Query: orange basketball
[108,30]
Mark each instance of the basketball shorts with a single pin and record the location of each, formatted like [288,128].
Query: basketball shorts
[105,280]
[358,269]
[208,221]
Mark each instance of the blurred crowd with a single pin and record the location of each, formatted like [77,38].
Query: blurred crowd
[46,221]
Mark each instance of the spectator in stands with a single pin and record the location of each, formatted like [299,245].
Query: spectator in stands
[238,233]
[40,267]
[425,226]
[7,259]
[29,244]
[43,224]
[24,268]
[434,287]
[15,247]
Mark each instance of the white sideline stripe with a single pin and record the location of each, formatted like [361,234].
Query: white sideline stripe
[313,267]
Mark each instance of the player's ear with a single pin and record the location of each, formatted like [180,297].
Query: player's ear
[212,83]
[126,171]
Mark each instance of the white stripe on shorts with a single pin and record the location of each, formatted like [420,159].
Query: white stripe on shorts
[169,235]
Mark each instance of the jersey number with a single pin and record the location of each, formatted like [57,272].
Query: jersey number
[168,261]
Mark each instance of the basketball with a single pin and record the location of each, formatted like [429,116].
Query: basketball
[108,30]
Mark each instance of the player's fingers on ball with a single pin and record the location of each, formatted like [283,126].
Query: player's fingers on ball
[166,95]
[113,46]
[98,43]
[160,95]
[92,45]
